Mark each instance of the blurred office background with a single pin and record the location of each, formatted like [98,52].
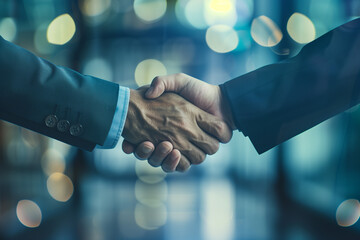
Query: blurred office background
[307,188]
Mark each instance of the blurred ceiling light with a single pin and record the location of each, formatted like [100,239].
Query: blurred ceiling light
[93,8]
[99,68]
[301,28]
[60,187]
[220,12]
[61,30]
[150,10]
[222,38]
[265,32]
[53,161]
[8,29]
[221,5]
[194,13]
[245,10]
[28,213]
[147,70]
[147,173]
[150,218]
[348,213]
[151,195]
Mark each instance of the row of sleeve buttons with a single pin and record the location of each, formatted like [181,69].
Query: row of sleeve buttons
[63,126]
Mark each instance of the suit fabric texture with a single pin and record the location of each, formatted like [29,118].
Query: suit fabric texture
[55,101]
[279,101]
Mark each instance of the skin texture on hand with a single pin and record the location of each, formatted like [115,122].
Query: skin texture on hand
[172,122]
[205,96]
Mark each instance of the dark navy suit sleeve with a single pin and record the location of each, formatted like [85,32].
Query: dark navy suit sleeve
[279,101]
[53,100]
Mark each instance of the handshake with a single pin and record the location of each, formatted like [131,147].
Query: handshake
[176,121]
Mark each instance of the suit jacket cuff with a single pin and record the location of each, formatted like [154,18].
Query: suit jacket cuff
[232,91]
[119,119]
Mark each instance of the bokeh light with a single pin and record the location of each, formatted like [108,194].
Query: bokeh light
[245,11]
[180,6]
[99,68]
[8,29]
[61,30]
[150,218]
[201,14]
[220,12]
[194,13]
[348,213]
[265,32]
[150,10]
[151,195]
[60,187]
[93,8]
[53,161]
[223,6]
[147,70]
[28,213]
[222,38]
[147,173]
[301,28]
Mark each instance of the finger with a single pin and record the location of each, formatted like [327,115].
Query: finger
[127,147]
[215,127]
[184,164]
[171,161]
[144,150]
[161,152]
[194,155]
[170,83]
[206,143]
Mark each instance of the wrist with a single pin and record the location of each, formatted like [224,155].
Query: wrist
[130,114]
[225,109]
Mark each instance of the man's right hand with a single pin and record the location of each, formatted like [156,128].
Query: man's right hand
[205,96]
[171,121]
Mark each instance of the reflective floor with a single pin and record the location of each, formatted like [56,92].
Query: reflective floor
[179,208]
[234,195]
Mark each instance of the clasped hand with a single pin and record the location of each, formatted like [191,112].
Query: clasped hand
[173,132]
[188,132]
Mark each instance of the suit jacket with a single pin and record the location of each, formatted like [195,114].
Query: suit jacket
[54,101]
[279,101]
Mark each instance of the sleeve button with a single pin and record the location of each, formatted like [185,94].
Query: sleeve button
[76,130]
[51,121]
[63,125]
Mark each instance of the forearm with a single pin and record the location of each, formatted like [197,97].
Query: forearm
[279,101]
[31,89]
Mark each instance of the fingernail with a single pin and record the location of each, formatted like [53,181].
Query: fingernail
[147,150]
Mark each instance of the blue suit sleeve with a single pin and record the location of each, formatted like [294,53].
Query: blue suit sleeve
[279,101]
[53,100]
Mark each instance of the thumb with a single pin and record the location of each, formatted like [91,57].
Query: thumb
[170,83]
